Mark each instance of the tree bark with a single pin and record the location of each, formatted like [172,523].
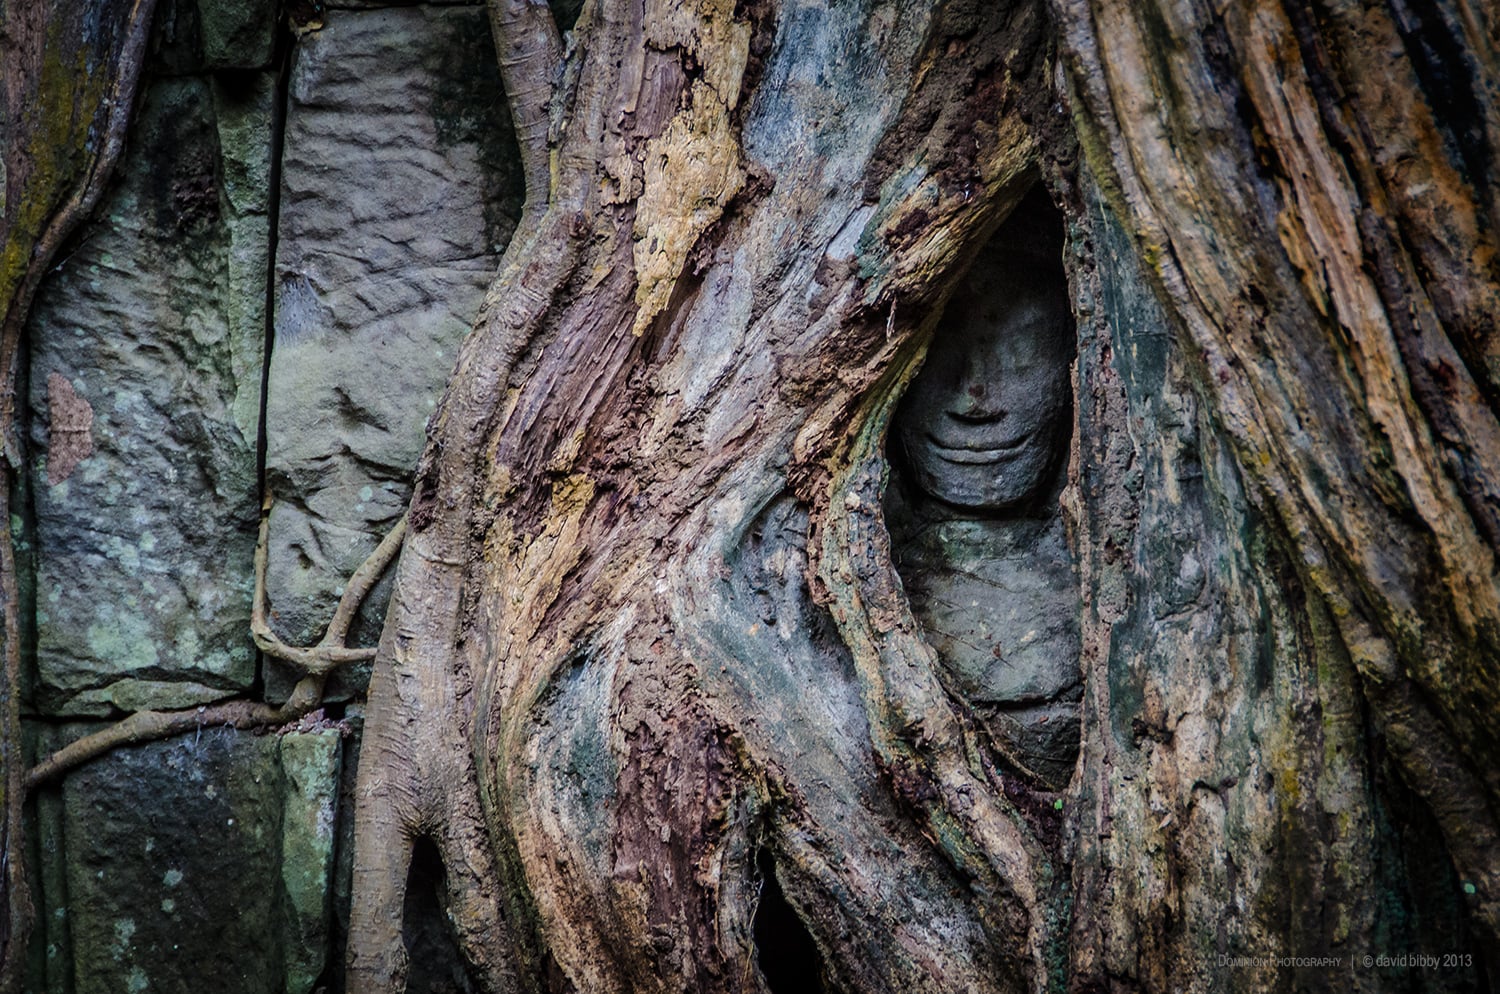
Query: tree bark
[673,408]
[708,318]
[1312,188]
[652,683]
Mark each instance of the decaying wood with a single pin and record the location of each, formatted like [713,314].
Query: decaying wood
[602,447]
[692,355]
[1312,193]
[648,659]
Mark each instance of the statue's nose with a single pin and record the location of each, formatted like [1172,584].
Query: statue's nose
[978,400]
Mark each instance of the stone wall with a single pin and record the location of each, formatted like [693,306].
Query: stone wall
[271,295]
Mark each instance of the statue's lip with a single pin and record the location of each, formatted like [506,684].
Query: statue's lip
[972,454]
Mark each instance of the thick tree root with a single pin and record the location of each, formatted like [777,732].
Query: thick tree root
[315,662]
[417,779]
[530,51]
[330,652]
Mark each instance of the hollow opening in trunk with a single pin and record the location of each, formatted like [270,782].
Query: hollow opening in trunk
[436,966]
[784,949]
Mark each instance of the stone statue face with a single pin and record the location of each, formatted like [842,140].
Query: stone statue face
[985,421]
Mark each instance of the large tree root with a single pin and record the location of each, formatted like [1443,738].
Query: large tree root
[417,779]
[315,662]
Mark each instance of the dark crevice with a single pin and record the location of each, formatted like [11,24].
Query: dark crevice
[788,957]
[331,979]
[334,979]
[1446,75]
[283,63]
[565,13]
[435,964]
[1418,887]
[23,509]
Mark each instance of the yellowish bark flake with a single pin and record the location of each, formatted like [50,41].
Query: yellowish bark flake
[692,170]
[709,31]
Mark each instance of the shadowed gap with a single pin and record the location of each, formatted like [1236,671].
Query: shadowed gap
[784,949]
[1446,73]
[436,966]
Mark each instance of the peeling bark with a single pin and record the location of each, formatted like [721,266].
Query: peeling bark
[607,474]
[649,656]
[650,686]
[1311,188]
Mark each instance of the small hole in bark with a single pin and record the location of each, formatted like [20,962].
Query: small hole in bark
[436,966]
[784,949]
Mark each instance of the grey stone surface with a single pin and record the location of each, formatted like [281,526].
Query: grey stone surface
[1000,604]
[978,443]
[148,344]
[999,601]
[194,863]
[400,188]
[984,424]
[193,36]
[310,766]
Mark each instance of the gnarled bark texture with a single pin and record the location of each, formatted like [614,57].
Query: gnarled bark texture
[650,672]
[736,262]
[1311,188]
[651,687]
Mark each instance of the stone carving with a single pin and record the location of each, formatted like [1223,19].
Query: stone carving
[977,447]
[359,206]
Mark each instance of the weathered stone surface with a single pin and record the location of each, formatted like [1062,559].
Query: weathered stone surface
[343,870]
[205,858]
[999,602]
[197,35]
[977,446]
[148,347]
[310,764]
[131,694]
[399,191]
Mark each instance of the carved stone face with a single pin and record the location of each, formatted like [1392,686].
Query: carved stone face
[985,421]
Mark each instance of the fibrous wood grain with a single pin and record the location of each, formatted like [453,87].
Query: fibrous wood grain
[1310,187]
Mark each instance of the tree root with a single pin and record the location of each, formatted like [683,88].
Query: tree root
[316,663]
[330,652]
[530,52]
[37,33]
